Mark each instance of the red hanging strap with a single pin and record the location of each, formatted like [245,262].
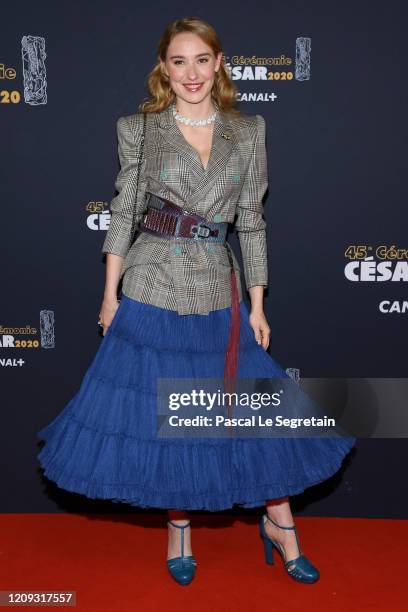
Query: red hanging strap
[232,352]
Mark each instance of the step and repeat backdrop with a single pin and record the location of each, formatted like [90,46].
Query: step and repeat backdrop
[329,80]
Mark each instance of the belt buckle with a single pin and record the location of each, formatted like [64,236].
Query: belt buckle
[202,230]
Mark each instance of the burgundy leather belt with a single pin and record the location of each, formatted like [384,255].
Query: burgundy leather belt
[171,221]
[164,218]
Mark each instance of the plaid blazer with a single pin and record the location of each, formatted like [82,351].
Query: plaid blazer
[190,277]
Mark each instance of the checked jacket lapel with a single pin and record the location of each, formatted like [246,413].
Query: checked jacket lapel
[223,143]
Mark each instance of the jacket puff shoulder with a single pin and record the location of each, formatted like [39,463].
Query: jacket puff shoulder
[190,277]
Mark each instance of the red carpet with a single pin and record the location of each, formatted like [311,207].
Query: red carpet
[117,562]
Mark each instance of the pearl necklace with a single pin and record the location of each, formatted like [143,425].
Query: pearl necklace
[194,122]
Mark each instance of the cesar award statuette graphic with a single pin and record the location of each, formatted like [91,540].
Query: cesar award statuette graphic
[34,71]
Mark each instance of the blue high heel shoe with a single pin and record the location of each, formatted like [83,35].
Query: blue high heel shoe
[182,568]
[300,569]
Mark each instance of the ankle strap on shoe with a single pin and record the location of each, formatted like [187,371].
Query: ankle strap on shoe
[293,528]
[281,526]
[182,527]
[179,526]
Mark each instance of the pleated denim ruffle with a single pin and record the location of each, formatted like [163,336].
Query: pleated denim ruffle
[103,444]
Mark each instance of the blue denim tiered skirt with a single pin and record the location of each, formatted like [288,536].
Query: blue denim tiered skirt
[103,444]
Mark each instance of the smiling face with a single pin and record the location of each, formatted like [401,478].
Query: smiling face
[191,66]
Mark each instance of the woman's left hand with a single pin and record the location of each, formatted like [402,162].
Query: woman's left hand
[260,326]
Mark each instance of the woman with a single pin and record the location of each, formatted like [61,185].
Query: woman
[181,314]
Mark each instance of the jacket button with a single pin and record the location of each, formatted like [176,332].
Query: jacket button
[177,250]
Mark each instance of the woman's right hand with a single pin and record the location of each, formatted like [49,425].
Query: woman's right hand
[108,311]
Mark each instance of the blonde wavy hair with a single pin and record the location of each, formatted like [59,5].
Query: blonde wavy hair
[161,94]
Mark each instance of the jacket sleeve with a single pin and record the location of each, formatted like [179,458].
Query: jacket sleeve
[118,239]
[249,224]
